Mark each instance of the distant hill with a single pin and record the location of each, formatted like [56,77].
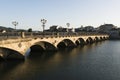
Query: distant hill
[6,28]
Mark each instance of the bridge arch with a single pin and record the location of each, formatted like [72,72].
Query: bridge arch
[42,45]
[65,43]
[80,41]
[89,40]
[96,39]
[38,48]
[101,38]
[7,53]
[105,38]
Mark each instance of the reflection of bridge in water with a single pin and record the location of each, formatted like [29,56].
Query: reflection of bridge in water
[16,45]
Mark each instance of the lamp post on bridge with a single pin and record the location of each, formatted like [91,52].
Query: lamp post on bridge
[68,25]
[15,23]
[43,21]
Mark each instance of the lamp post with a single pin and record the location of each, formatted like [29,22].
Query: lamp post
[43,21]
[68,25]
[15,23]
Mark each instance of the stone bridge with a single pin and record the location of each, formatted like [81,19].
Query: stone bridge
[18,47]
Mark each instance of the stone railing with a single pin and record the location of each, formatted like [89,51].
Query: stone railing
[14,35]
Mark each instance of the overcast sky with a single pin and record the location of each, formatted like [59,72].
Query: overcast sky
[59,12]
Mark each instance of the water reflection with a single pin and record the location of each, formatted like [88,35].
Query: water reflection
[6,67]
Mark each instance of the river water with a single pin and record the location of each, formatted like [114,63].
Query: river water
[98,61]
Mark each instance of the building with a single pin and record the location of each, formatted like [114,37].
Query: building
[79,29]
[53,28]
[106,28]
[61,29]
[85,29]
[89,29]
[114,33]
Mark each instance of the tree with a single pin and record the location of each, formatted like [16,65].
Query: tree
[30,30]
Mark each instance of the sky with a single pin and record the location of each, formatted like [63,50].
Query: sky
[28,13]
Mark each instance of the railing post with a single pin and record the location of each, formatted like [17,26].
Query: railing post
[58,34]
[23,34]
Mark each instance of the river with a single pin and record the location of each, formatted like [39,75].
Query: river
[98,61]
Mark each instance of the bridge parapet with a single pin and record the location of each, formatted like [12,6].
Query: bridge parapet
[14,35]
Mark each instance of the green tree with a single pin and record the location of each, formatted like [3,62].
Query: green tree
[30,30]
